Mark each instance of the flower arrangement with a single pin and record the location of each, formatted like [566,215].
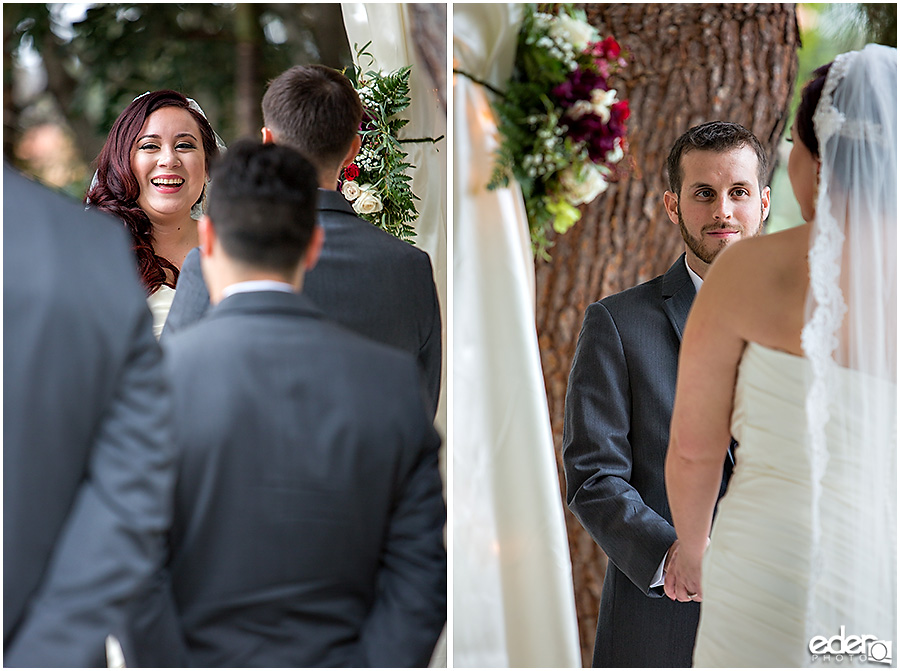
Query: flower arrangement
[377,183]
[562,127]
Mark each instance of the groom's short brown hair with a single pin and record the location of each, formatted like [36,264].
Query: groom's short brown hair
[262,203]
[315,110]
[719,137]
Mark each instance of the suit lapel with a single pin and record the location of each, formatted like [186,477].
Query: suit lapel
[678,294]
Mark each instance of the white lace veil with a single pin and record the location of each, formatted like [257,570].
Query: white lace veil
[850,338]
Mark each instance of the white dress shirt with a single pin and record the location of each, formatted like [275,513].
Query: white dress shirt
[257,285]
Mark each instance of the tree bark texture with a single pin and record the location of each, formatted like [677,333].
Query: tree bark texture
[248,81]
[687,64]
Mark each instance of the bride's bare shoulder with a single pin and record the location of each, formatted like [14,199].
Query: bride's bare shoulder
[776,257]
[761,286]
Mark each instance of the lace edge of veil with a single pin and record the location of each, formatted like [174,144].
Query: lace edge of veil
[819,335]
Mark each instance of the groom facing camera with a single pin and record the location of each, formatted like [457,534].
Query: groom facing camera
[622,389]
[366,279]
[308,522]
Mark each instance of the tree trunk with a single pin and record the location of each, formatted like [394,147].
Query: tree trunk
[248,82]
[62,86]
[326,23]
[688,64]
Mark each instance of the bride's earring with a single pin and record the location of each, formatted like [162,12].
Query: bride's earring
[199,208]
[818,180]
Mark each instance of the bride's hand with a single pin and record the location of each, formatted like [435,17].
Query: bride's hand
[682,582]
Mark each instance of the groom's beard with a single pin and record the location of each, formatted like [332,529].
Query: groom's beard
[707,251]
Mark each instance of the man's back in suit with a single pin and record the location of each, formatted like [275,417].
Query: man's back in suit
[366,280]
[377,285]
[309,513]
[88,464]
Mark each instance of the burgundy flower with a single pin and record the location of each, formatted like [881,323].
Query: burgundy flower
[368,121]
[578,86]
[598,136]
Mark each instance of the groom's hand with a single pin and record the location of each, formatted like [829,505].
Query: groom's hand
[670,556]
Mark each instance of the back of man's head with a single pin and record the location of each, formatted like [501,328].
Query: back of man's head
[315,110]
[715,136]
[262,203]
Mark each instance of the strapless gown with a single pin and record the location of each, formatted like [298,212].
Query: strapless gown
[757,566]
[159,302]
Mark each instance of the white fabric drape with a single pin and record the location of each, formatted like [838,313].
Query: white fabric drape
[512,600]
[387,26]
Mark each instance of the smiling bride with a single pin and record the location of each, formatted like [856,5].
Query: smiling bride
[152,174]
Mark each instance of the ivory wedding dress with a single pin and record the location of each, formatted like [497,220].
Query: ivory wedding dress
[758,568]
[159,302]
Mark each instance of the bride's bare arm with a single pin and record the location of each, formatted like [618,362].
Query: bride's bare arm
[754,292]
[700,431]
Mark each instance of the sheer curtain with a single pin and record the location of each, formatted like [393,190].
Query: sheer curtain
[387,26]
[512,601]
[851,323]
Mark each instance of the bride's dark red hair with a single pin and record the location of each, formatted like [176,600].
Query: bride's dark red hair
[117,190]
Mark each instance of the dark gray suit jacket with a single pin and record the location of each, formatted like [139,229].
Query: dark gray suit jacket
[308,511]
[618,409]
[88,465]
[366,280]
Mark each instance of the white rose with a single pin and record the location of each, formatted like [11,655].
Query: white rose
[584,189]
[368,201]
[350,191]
[579,109]
[601,101]
[575,32]
[617,154]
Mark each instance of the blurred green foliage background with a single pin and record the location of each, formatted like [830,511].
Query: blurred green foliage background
[826,30]
[69,69]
